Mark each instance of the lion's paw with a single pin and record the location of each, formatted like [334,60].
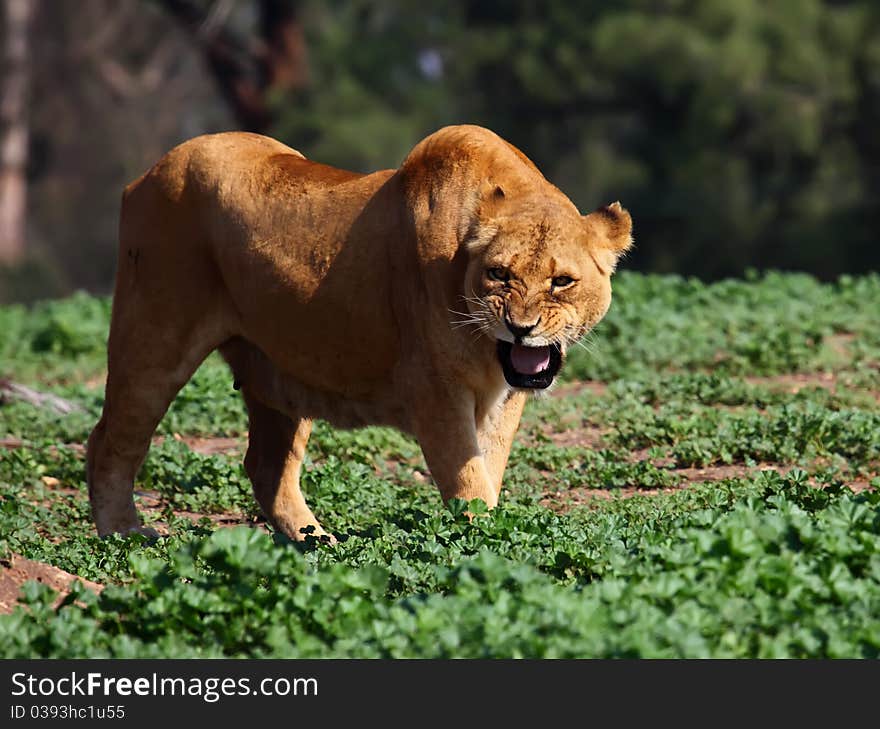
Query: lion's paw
[315,532]
[147,532]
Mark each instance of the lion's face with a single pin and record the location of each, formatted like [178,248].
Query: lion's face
[539,278]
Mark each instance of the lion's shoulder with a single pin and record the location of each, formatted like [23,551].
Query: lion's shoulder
[469,151]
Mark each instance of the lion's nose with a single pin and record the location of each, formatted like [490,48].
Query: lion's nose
[519,331]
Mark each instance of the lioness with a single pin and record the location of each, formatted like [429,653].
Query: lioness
[431,298]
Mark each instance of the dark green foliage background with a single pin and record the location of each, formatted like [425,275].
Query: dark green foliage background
[739,133]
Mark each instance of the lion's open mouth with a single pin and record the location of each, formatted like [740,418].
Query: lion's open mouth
[529,367]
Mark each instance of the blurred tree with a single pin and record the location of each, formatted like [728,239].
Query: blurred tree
[113,86]
[741,133]
[247,66]
[378,80]
[14,92]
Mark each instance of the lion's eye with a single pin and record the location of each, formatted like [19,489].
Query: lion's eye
[498,274]
[560,282]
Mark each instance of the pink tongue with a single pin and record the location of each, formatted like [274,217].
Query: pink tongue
[529,360]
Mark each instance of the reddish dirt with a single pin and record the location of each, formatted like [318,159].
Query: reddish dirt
[576,388]
[204,446]
[210,446]
[582,436]
[794,383]
[564,500]
[590,436]
[17,570]
[839,343]
[151,504]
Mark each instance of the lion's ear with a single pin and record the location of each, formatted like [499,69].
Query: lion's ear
[491,198]
[480,227]
[611,229]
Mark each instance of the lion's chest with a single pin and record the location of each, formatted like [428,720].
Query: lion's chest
[284,388]
[342,409]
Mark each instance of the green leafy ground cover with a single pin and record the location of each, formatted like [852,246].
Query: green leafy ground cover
[739,420]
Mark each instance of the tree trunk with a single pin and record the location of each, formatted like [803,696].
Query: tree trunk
[284,63]
[248,69]
[17,16]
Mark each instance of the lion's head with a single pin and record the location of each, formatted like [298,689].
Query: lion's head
[538,279]
[537,273]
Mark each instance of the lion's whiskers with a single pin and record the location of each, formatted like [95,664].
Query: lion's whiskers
[587,342]
[579,336]
[482,321]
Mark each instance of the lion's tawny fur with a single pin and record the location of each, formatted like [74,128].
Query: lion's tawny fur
[341,296]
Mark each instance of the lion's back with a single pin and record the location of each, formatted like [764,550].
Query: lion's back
[208,158]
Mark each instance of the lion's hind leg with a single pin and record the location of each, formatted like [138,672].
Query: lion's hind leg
[143,378]
[276,448]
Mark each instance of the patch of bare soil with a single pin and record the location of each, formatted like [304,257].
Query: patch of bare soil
[205,446]
[794,383]
[577,388]
[839,343]
[565,499]
[17,570]
[150,505]
[211,446]
[577,434]
[581,436]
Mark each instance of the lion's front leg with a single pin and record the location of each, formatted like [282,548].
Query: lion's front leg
[447,435]
[495,435]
